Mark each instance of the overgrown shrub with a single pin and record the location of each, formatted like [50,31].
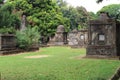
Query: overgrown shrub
[5,30]
[28,37]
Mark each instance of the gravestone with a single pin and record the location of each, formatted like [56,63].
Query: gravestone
[78,38]
[103,37]
[7,42]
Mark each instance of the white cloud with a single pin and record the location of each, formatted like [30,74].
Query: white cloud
[91,5]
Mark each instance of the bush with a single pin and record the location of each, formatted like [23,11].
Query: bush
[28,37]
[6,30]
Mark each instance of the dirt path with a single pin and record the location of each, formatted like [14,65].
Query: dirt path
[37,56]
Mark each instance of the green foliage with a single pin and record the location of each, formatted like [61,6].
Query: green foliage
[82,17]
[77,16]
[113,10]
[26,38]
[92,16]
[7,18]
[5,30]
[1,1]
[41,13]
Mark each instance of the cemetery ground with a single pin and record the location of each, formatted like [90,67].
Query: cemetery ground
[56,63]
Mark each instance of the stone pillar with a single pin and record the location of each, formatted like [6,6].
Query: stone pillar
[23,23]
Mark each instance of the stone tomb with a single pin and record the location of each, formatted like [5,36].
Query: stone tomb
[78,38]
[74,38]
[60,37]
[7,42]
[103,37]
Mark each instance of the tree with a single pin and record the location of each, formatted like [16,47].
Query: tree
[41,13]
[1,1]
[82,17]
[77,16]
[113,10]
[8,19]
[92,16]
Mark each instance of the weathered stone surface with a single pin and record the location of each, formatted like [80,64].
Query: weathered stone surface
[74,39]
[7,42]
[103,16]
[23,23]
[101,50]
[103,37]
[60,29]
[60,37]
[78,38]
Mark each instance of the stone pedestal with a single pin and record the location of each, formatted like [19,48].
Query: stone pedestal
[7,42]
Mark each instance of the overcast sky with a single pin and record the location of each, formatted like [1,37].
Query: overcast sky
[91,5]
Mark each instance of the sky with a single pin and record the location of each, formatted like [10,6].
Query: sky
[91,5]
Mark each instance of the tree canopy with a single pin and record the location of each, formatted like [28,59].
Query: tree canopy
[44,14]
[41,13]
[113,10]
[78,16]
[8,18]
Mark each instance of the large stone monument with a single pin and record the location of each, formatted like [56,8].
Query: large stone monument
[60,37]
[78,38]
[103,37]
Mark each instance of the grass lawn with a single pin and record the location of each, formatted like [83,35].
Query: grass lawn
[61,64]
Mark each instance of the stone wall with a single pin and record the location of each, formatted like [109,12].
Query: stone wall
[78,38]
[74,38]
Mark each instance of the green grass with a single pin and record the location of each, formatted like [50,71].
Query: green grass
[61,64]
